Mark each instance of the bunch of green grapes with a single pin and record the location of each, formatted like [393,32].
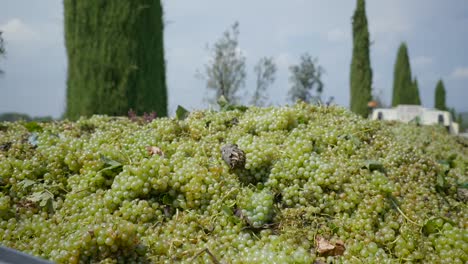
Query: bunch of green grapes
[110,190]
[256,207]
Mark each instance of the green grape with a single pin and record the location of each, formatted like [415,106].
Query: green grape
[90,191]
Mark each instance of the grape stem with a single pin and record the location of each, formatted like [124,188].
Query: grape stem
[354,257]
[213,258]
[403,214]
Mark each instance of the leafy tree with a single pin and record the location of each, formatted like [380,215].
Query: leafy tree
[12,117]
[361,72]
[2,47]
[440,96]
[225,72]
[305,78]
[415,91]
[265,72]
[403,87]
[377,96]
[115,57]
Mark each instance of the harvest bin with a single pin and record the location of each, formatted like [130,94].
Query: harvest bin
[11,256]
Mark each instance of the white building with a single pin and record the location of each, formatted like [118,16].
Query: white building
[424,116]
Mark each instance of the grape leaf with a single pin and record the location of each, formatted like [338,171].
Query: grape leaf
[373,165]
[441,182]
[227,210]
[33,127]
[111,164]
[224,105]
[42,197]
[432,226]
[181,113]
[26,183]
[109,161]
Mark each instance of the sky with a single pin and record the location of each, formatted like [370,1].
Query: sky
[435,31]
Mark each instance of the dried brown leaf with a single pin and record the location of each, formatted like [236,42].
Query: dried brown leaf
[326,248]
[152,150]
[323,245]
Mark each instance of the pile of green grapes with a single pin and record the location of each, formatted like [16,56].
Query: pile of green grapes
[319,184]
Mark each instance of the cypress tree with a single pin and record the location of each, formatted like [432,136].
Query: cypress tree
[361,72]
[115,57]
[415,90]
[440,96]
[402,83]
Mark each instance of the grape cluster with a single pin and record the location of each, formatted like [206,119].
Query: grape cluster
[256,207]
[94,191]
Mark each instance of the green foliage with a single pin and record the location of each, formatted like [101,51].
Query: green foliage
[387,192]
[181,113]
[305,78]
[415,91]
[463,120]
[11,117]
[2,44]
[2,48]
[405,91]
[453,113]
[115,57]
[33,127]
[224,105]
[361,72]
[225,72]
[440,96]
[265,71]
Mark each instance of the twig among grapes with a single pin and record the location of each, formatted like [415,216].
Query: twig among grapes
[403,214]
[213,258]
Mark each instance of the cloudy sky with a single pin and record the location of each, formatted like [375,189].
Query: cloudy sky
[436,33]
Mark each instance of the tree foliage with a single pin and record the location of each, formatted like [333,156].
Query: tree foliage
[225,72]
[115,57]
[377,96]
[2,47]
[440,96]
[265,71]
[403,86]
[305,78]
[453,113]
[361,72]
[415,92]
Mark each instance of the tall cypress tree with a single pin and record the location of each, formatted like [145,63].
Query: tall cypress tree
[415,91]
[402,83]
[440,96]
[361,72]
[115,57]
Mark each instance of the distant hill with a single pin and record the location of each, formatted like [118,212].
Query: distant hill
[12,117]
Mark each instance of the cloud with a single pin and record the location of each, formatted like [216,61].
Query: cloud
[382,26]
[422,61]
[460,73]
[17,30]
[337,35]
